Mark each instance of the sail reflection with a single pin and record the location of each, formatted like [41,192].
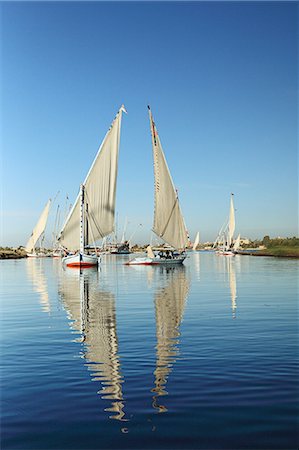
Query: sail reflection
[35,272]
[169,307]
[92,312]
[232,285]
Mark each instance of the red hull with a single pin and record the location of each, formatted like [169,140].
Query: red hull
[80,265]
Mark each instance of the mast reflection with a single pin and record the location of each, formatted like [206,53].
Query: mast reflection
[92,313]
[169,307]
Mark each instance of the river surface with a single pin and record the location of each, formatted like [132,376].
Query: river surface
[203,356]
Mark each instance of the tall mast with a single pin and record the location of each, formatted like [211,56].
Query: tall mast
[81,219]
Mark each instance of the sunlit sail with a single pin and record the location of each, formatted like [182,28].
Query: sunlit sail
[92,216]
[38,232]
[169,224]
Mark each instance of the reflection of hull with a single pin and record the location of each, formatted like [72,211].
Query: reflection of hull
[156,261]
[80,261]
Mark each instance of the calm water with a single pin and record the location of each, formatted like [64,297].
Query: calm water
[204,356]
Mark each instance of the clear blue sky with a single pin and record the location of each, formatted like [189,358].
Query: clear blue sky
[222,81]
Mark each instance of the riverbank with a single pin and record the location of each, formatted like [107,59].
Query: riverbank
[12,253]
[280,252]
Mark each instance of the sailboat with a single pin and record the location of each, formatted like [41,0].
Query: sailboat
[196,241]
[226,236]
[92,215]
[169,224]
[38,233]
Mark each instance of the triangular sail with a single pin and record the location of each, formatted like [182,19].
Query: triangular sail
[100,191]
[168,220]
[237,242]
[231,224]
[39,228]
[196,242]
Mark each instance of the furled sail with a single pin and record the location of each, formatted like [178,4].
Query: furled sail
[168,220]
[231,224]
[99,192]
[39,228]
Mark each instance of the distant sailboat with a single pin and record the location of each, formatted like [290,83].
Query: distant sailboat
[169,223]
[38,232]
[92,216]
[237,243]
[196,242]
[225,240]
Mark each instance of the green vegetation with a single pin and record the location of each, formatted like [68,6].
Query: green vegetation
[280,250]
[286,247]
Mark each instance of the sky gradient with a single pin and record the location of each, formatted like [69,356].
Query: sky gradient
[222,82]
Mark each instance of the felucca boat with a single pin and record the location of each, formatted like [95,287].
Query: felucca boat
[38,233]
[226,236]
[92,216]
[169,224]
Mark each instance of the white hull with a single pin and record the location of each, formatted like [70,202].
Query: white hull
[156,261]
[36,255]
[225,253]
[80,261]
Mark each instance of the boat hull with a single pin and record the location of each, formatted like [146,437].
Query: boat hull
[225,253]
[156,261]
[80,261]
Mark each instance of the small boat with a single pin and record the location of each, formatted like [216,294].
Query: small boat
[169,224]
[121,249]
[92,215]
[38,234]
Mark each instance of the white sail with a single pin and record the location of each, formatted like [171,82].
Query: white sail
[237,242]
[39,228]
[99,192]
[231,224]
[196,242]
[168,220]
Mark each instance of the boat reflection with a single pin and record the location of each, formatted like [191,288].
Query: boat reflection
[169,308]
[92,312]
[227,267]
[232,284]
[36,274]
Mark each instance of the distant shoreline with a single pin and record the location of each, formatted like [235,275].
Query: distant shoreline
[279,252]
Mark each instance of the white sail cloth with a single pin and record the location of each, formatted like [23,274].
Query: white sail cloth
[231,223]
[99,191]
[39,228]
[196,242]
[168,220]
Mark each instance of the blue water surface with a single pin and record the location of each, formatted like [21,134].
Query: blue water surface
[203,356]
